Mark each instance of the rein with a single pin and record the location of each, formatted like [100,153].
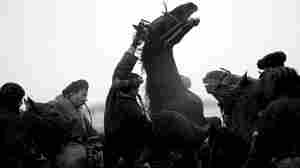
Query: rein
[145,112]
[89,112]
[174,31]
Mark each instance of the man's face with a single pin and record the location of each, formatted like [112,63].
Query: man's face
[79,98]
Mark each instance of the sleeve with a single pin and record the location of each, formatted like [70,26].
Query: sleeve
[124,67]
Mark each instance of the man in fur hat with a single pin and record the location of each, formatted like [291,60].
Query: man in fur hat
[69,105]
[272,60]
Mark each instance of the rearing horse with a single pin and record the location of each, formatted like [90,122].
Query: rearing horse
[164,86]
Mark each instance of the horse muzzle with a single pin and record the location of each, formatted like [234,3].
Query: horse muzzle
[174,35]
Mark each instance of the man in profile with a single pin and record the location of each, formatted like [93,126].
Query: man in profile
[69,104]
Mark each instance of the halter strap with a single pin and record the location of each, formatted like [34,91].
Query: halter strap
[145,112]
[89,112]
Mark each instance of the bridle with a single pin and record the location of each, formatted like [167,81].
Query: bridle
[174,31]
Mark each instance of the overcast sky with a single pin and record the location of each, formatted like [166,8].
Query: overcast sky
[44,45]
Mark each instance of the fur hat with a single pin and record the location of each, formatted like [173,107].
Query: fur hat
[75,86]
[272,60]
[12,92]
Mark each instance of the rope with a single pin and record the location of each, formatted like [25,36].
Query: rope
[89,112]
[165,6]
[145,112]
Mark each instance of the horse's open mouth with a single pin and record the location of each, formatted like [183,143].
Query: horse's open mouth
[176,33]
[189,9]
[189,14]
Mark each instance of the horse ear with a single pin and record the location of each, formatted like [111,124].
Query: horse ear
[29,103]
[165,7]
[244,80]
[225,70]
[135,27]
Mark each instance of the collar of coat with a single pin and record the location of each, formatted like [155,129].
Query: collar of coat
[123,95]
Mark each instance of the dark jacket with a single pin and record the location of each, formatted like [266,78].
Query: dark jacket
[122,112]
[11,137]
[81,129]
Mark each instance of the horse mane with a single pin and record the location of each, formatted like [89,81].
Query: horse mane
[160,90]
[241,103]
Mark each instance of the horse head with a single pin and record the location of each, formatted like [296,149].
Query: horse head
[169,28]
[157,56]
[221,84]
[229,90]
[218,82]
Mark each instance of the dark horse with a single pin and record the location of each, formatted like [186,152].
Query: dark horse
[270,107]
[177,113]
[238,102]
[164,86]
[236,96]
[46,132]
[229,146]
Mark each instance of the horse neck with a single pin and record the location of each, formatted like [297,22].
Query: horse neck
[163,81]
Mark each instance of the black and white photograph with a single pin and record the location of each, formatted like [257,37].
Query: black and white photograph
[149,84]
